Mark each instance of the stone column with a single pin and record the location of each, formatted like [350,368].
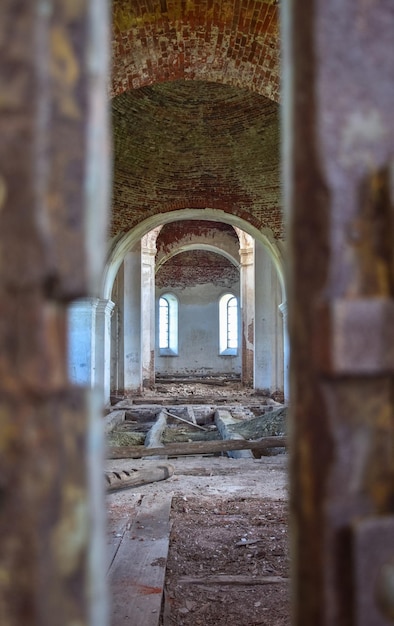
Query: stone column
[286,351]
[246,254]
[116,359]
[81,342]
[268,370]
[148,254]
[103,347]
[132,352]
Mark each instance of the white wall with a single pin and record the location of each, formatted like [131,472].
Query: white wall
[198,327]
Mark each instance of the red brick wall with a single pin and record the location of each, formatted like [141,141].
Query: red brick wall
[197,267]
[234,42]
[176,233]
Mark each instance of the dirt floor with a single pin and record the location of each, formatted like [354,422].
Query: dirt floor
[228,561]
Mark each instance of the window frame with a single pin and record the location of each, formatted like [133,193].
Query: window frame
[171,348]
[225,332]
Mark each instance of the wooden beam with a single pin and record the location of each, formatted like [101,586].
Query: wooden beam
[195,447]
[232,580]
[153,436]
[224,421]
[184,421]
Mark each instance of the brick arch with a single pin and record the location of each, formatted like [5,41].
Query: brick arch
[233,42]
[267,222]
[123,243]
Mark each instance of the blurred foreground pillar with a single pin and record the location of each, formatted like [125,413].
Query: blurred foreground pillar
[338,90]
[53,202]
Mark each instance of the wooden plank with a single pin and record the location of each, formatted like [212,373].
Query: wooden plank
[195,447]
[117,525]
[138,571]
[232,580]
[184,421]
[190,414]
[115,532]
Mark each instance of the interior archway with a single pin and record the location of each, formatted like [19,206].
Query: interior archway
[262,368]
[122,244]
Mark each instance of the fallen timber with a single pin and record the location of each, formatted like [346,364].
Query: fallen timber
[188,422]
[195,447]
[225,424]
[122,479]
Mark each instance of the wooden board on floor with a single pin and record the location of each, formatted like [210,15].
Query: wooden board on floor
[138,570]
[117,523]
[223,580]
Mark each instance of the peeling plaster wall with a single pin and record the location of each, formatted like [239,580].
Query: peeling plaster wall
[178,236]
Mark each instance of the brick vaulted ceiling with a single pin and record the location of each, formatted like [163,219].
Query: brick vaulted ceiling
[195,109]
[228,41]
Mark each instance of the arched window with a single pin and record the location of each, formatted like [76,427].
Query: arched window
[168,325]
[228,324]
[164,323]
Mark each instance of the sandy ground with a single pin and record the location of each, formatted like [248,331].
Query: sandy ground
[213,476]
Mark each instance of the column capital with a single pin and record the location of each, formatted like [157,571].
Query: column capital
[246,256]
[283,309]
[149,252]
[105,306]
[88,304]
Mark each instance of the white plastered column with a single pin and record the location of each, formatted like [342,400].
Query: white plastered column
[286,351]
[81,342]
[268,370]
[104,311]
[89,332]
[148,255]
[131,331]
[246,255]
